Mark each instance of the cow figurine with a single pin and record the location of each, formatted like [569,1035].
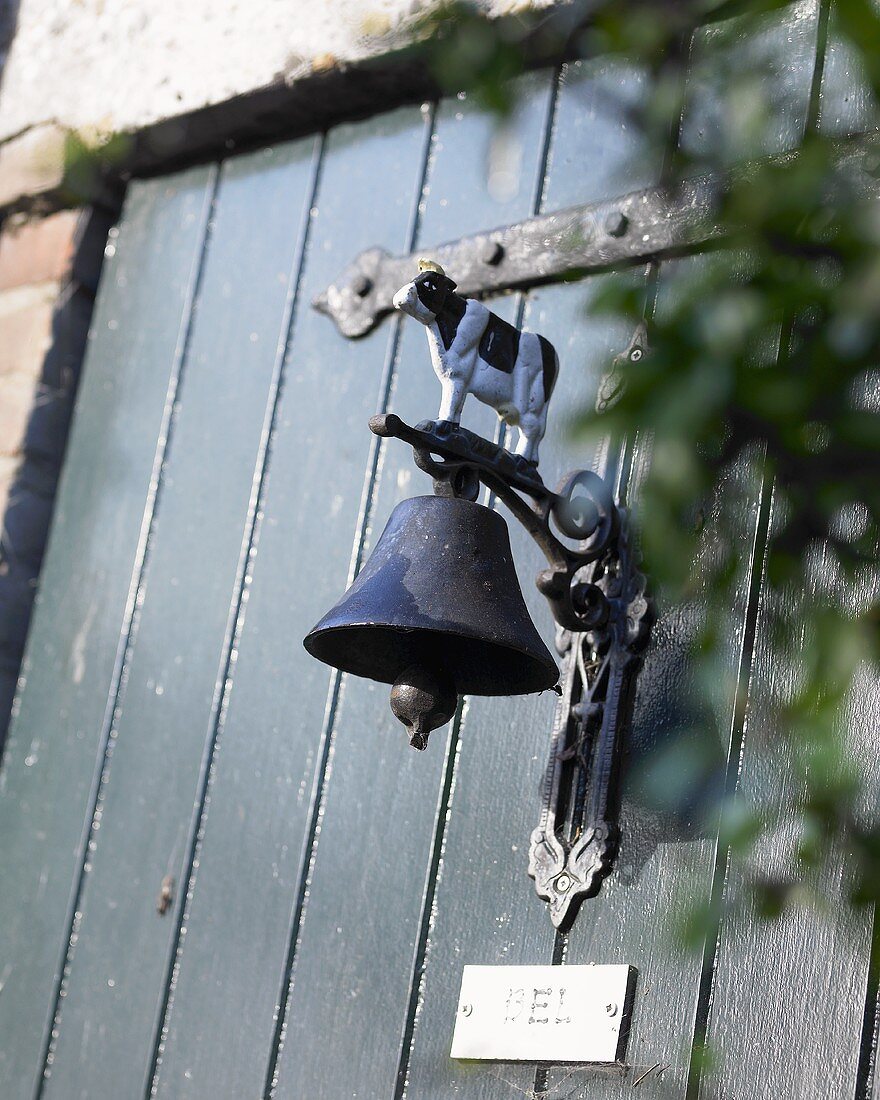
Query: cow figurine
[473,351]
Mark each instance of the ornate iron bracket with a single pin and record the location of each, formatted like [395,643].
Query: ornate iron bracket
[575,843]
[604,617]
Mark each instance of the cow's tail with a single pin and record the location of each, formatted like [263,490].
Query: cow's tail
[550,361]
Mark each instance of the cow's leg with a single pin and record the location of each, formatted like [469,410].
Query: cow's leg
[531,432]
[452,400]
[455,372]
[532,421]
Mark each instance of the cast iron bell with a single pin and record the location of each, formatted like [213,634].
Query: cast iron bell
[438,612]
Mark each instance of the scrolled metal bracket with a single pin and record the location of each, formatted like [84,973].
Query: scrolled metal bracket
[597,594]
[575,843]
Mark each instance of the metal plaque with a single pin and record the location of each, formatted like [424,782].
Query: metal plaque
[544,1013]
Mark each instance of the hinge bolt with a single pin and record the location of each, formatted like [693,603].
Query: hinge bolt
[362,285]
[493,253]
[616,224]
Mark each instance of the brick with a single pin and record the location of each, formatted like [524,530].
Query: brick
[25,329]
[8,470]
[25,334]
[39,251]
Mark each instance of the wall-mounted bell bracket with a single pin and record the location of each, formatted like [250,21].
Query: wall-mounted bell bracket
[598,598]
[575,843]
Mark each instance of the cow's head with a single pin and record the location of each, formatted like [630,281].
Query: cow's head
[426,295]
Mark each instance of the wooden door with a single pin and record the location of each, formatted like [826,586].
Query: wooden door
[323,884]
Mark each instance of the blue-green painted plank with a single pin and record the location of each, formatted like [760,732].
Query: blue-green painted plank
[372,857]
[847,104]
[486,909]
[749,82]
[232,967]
[667,852]
[86,595]
[789,995]
[174,673]
[667,848]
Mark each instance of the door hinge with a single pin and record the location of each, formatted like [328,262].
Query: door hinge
[580,240]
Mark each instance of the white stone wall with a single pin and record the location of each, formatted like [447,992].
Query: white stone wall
[100,66]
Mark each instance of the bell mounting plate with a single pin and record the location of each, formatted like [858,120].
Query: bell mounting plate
[574,845]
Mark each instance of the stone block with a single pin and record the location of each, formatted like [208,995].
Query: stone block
[25,328]
[38,251]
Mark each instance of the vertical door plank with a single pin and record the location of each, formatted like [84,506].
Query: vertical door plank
[667,859]
[373,854]
[224,1005]
[789,994]
[788,1000]
[847,104]
[485,909]
[174,673]
[666,856]
[55,743]
[748,88]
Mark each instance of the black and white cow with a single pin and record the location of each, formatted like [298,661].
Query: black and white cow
[473,351]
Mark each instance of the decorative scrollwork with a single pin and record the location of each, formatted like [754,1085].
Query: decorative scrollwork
[573,847]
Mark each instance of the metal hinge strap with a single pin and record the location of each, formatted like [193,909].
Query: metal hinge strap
[629,229]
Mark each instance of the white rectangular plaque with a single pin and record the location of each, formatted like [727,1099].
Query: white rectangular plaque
[543,1013]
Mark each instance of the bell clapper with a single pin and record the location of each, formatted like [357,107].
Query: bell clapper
[423,700]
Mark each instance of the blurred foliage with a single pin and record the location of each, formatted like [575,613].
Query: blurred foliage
[761,377]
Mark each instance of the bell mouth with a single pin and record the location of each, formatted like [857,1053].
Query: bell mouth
[439,592]
[476,666]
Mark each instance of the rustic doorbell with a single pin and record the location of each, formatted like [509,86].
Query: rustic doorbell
[437,610]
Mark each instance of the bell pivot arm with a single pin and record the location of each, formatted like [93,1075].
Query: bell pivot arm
[582,508]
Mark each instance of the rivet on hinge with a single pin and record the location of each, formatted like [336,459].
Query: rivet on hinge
[363,284]
[616,224]
[493,253]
